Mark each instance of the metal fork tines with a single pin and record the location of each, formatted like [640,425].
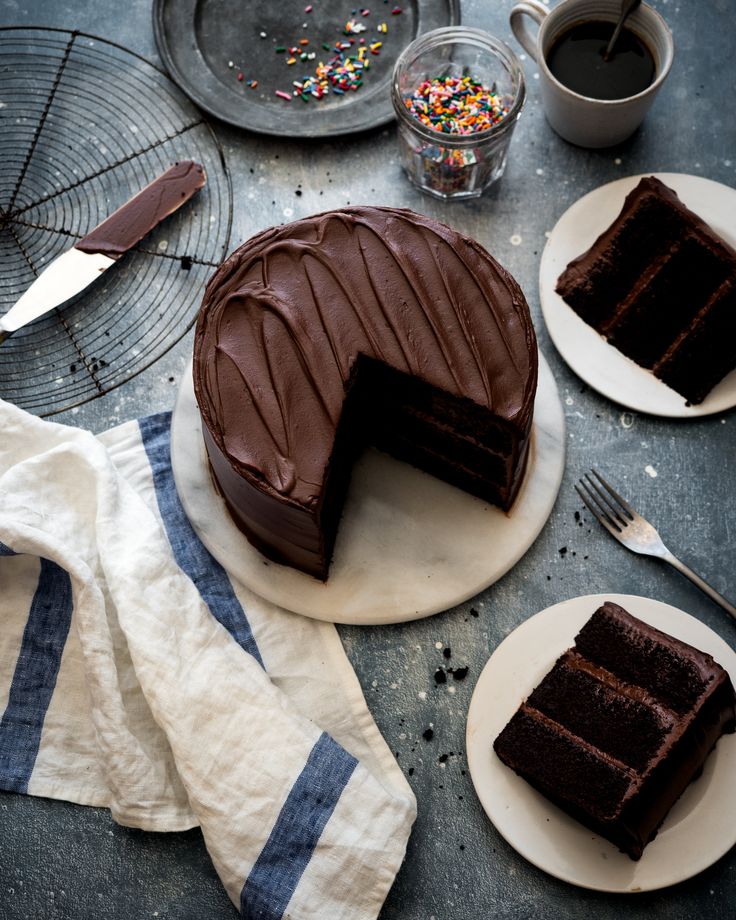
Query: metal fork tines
[636,533]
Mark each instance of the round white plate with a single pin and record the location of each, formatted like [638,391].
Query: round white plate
[601,365]
[699,829]
[408,545]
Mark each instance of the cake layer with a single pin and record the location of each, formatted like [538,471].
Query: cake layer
[320,337]
[621,724]
[653,316]
[674,673]
[656,284]
[595,283]
[616,718]
[572,774]
[703,355]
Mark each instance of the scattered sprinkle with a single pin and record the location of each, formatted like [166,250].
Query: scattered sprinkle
[343,71]
[352,27]
[283,95]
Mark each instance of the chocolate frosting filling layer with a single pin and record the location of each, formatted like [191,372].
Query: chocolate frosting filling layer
[288,315]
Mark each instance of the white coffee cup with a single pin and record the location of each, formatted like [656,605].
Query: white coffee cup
[583,120]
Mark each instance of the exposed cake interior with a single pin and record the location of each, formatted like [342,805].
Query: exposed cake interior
[621,724]
[368,326]
[658,284]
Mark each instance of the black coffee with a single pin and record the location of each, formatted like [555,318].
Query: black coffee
[576,60]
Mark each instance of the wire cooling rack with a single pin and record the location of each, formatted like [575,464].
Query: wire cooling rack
[84,124]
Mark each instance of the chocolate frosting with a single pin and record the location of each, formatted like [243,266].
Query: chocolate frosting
[286,316]
[137,217]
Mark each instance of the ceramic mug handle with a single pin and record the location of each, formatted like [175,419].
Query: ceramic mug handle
[536,11]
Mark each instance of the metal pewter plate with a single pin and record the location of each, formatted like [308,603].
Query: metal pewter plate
[198,40]
[84,124]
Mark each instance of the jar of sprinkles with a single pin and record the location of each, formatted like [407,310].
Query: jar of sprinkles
[457,94]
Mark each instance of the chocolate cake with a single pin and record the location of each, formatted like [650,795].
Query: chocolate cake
[355,327]
[660,285]
[619,727]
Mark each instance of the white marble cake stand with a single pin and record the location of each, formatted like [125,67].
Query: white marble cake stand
[408,545]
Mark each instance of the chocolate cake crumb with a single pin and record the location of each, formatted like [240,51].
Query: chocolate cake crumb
[186,263]
[410,771]
[440,677]
[562,550]
[447,652]
[460,673]
[428,734]
[442,758]
[473,612]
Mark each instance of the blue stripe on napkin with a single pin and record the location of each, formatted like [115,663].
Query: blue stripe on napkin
[35,675]
[308,807]
[209,577]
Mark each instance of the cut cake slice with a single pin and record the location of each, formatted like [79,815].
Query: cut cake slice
[621,724]
[658,284]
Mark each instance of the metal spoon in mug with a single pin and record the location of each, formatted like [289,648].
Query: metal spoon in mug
[627,7]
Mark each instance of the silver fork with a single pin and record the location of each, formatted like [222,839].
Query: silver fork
[636,533]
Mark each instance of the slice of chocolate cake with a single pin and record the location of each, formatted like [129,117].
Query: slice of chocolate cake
[621,724]
[658,284]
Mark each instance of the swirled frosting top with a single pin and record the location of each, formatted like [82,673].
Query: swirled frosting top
[286,315]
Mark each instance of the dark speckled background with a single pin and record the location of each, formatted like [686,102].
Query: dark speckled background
[63,862]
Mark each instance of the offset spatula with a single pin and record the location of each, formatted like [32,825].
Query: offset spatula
[74,270]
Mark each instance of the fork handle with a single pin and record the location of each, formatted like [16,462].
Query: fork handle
[697,580]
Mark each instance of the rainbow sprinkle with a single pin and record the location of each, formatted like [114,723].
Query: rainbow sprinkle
[343,71]
[457,105]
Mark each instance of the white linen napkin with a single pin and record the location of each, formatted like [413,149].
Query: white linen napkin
[136,675]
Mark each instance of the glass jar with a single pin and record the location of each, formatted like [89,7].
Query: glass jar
[438,161]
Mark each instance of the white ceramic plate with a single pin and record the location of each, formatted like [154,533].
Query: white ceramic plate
[699,829]
[408,545]
[587,353]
